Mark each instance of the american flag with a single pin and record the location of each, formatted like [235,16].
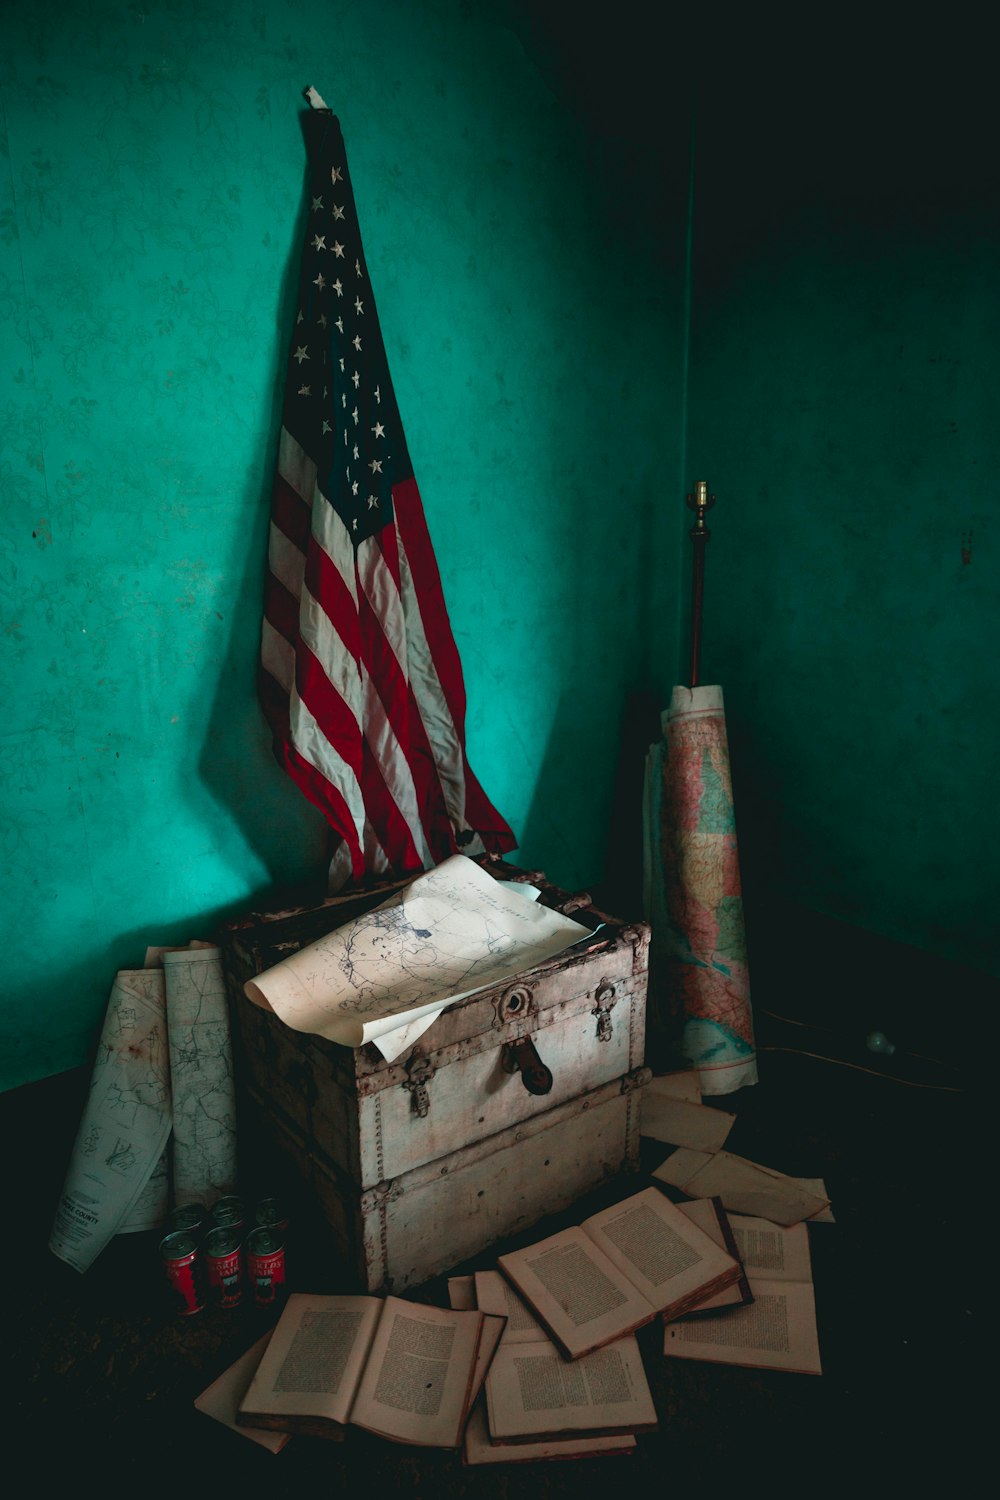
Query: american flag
[360,677]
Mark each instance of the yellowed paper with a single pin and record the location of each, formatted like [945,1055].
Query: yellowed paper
[531,1392]
[494,1294]
[776,1252]
[462,1293]
[777,1331]
[744,1186]
[701,1211]
[818,1186]
[480,1449]
[221,1399]
[681,1084]
[449,933]
[679,1122]
[297,1375]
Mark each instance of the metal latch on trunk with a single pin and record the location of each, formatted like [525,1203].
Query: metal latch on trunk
[522,1057]
[605,999]
[421,1071]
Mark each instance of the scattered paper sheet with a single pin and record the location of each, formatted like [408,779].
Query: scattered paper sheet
[221,1399]
[449,933]
[818,1186]
[682,1122]
[682,1084]
[744,1186]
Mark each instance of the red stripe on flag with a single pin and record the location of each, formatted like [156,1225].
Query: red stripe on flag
[311,782]
[411,522]
[326,584]
[290,513]
[281,609]
[336,721]
[393,833]
[412,526]
[388,681]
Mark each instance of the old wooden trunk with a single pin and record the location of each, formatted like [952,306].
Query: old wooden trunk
[425,1161]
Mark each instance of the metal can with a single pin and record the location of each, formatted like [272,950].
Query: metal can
[265,1262]
[272,1213]
[187,1216]
[185,1270]
[223,1251]
[228,1212]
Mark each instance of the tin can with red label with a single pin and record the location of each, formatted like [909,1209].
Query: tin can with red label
[272,1213]
[265,1260]
[189,1216]
[223,1252]
[185,1270]
[228,1212]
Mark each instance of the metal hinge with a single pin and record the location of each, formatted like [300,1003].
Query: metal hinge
[637,1079]
[379,1195]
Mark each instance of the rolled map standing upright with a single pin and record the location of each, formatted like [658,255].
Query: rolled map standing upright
[694,895]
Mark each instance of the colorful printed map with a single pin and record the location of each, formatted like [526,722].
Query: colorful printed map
[700,934]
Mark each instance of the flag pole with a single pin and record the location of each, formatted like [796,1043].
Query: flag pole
[700,502]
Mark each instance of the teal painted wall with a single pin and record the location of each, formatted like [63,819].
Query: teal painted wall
[150,187]
[843,406]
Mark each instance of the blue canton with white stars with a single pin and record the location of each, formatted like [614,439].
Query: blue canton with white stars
[339,402]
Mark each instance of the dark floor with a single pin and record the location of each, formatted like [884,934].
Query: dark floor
[103,1375]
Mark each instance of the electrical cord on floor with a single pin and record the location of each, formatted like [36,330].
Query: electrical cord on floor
[944,1088]
[831,1031]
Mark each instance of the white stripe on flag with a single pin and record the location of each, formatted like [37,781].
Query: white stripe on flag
[314,747]
[286,561]
[340,667]
[379,588]
[296,467]
[394,767]
[277,656]
[332,535]
[433,705]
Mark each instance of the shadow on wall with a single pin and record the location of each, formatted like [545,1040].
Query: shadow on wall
[289,836]
[607,850]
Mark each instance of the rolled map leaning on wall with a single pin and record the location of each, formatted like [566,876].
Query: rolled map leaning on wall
[699,978]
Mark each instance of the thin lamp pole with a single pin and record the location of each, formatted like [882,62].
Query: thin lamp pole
[700,502]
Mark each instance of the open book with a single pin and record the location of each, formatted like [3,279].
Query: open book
[221,1399]
[617,1270]
[399,1369]
[778,1330]
[709,1214]
[534,1397]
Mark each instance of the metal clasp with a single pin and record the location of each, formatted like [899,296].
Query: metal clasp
[605,998]
[421,1071]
